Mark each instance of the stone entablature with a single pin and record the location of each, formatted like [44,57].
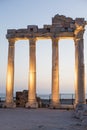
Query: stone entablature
[61,27]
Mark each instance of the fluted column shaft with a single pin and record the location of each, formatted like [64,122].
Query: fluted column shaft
[10,75]
[55,74]
[32,75]
[79,71]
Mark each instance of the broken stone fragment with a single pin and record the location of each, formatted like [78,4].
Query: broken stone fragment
[32,28]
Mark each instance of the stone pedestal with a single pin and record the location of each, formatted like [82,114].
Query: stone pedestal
[10,76]
[55,100]
[9,105]
[32,103]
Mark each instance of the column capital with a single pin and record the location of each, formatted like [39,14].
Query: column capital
[32,39]
[78,39]
[11,41]
[80,27]
[54,38]
[32,42]
[79,33]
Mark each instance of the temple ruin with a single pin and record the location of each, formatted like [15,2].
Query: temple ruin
[62,27]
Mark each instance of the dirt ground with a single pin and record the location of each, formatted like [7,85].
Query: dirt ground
[38,119]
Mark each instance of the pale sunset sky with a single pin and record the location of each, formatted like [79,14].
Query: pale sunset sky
[17,14]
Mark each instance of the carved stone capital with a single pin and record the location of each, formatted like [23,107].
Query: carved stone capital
[79,24]
[54,42]
[11,41]
[77,40]
[79,33]
[54,39]
[32,41]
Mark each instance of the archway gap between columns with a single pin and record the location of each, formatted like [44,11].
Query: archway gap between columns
[66,65]
[21,65]
[44,66]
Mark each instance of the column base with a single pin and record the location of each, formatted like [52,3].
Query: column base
[9,105]
[80,110]
[31,105]
[79,105]
[54,105]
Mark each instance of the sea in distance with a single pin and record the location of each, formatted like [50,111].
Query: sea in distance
[46,96]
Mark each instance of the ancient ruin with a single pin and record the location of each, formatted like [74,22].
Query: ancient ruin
[62,27]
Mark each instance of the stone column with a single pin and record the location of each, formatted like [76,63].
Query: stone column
[55,101]
[32,103]
[79,71]
[10,75]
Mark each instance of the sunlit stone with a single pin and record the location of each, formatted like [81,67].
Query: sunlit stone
[62,27]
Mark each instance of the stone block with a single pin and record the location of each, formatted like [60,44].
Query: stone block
[81,111]
[47,26]
[79,114]
[11,31]
[85,110]
[41,30]
[70,30]
[61,25]
[21,98]
[62,29]
[23,31]
[61,19]
[80,23]
[32,28]
[10,35]
[72,25]
[84,122]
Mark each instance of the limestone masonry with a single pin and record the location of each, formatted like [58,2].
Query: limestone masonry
[62,27]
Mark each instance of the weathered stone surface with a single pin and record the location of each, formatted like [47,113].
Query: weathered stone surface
[61,27]
[84,122]
[32,28]
[80,22]
[9,31]
[60,23]
[22,31]
[81,113]
[9,105]
[47,26]
[21,98]
[85,110]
